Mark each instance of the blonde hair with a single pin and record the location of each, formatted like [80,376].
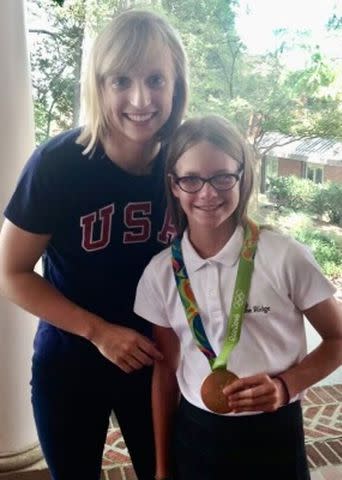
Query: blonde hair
[220,133]
[123,44]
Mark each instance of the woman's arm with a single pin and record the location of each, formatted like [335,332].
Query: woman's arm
[260,392]
[165,396]
[19,252]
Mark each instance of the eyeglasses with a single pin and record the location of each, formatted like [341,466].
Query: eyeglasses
[194,183]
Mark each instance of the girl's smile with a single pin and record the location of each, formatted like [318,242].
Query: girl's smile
[208,208]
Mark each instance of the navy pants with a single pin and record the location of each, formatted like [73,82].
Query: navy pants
[269,446]
[72,400]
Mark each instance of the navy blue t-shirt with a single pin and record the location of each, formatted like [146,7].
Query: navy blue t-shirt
[105,223]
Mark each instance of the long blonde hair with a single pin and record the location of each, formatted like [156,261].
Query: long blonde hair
[220,133]
[124,43]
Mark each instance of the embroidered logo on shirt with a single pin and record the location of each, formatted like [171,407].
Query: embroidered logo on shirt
[257,309]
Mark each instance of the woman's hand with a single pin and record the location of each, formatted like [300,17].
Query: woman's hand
[19,252]
[125,347]
[256,393]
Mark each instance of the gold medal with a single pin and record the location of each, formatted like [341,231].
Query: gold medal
[211,390]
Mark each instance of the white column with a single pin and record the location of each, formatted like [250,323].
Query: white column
[18,438]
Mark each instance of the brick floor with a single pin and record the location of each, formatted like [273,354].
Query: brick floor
[322,410]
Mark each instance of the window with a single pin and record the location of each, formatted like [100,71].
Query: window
[271,169]
[314,172]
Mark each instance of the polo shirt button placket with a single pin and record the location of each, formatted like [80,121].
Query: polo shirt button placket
[213,290]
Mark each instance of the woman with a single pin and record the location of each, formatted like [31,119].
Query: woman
[90,202]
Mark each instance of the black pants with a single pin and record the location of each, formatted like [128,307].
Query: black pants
[269,446]
[72,400]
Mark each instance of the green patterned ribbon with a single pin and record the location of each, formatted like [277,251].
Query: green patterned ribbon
[240,296]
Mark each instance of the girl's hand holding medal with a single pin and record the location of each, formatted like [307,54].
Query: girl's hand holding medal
[256,393]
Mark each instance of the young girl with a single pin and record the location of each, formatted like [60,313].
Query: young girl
[228,300]
[91,202]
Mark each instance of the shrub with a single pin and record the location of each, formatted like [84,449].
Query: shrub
[326,250]
[327,200]
[300,194]
[333,192]
[319,203]
[292,192]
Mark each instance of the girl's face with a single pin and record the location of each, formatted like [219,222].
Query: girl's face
[208,208]
[139,101]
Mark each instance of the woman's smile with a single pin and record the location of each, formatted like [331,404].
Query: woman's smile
[140,118]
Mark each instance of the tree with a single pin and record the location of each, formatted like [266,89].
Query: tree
[335,22]
[300,103]
[259,93]
[56,66]
[214,50]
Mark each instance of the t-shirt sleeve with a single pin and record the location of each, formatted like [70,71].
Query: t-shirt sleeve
[306,282]
[36,203]
[149,300]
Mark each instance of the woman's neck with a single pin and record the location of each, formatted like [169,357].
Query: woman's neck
[130,156]
[208,243]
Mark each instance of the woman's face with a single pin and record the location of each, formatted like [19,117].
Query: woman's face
[139,102]
[208,209]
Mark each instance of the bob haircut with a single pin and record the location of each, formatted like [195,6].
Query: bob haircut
[122,45]
[220,133]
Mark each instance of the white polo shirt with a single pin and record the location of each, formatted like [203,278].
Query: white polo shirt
[286,281]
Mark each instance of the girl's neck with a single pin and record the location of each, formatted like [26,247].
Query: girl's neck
[132,157]
[208,243]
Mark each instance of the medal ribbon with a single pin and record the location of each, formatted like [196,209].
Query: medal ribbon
[240,296]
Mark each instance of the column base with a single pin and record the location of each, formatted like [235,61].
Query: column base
[20,460]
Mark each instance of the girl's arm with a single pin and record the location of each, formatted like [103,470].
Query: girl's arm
[326,318]
[260,392]
[165,397]
[19,252]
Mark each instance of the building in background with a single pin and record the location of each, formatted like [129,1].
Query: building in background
[317,159]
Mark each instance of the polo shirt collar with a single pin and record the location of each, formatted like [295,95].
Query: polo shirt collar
[227,256]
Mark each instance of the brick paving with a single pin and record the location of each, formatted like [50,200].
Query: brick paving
[116,463]
[322,409]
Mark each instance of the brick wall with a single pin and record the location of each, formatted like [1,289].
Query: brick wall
[332,173]
[287,167]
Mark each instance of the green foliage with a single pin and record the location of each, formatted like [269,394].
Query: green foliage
[325,246]
[56,65]
[328,200]
[304,195]
[334,202]
[319,204]
[335,22]
[291,192]
[325,249]
[316,98]
[257,92]
[214,51]
[302,102]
